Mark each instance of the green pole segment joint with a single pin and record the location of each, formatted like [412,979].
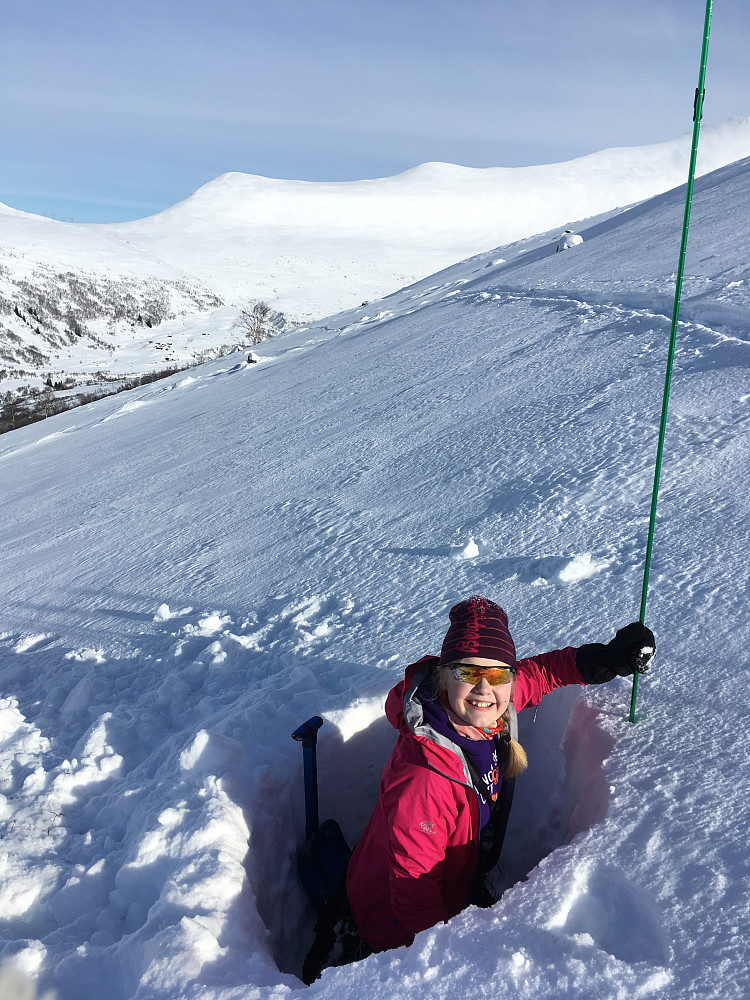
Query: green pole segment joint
[700,93]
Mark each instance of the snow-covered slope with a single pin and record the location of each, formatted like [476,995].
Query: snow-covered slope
[75,296]
[192,569]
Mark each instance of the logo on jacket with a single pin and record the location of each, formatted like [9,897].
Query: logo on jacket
[427,826]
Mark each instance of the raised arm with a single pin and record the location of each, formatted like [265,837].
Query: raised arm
[538,675]
[631,650]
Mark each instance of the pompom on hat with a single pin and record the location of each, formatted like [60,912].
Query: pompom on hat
[479,627]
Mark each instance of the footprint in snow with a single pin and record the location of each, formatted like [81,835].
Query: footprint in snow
[553,570]
[33,642]
[88,653]
[164,613]
[581,567]
[616,915]
[135,404]
[562,569]
[469,551]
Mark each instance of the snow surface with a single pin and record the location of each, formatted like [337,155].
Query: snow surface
[307,248]
[193,568]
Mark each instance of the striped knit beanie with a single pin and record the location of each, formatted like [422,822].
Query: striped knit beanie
[478,628]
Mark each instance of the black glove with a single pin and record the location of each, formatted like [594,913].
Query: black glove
[632,649]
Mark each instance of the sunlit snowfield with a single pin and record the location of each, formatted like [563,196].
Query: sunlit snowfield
[192,569]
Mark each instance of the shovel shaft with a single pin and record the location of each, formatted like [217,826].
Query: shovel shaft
[307,735]
[310,761]
[325,853]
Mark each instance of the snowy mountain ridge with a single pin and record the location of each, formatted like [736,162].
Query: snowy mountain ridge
[307,248]
[192,569]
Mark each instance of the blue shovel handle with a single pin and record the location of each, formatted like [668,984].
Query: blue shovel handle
[307,735]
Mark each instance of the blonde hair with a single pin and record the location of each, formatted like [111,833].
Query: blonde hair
[516,761]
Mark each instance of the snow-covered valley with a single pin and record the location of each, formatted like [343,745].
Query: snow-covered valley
[103,301]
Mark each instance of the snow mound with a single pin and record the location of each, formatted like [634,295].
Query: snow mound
[568,240]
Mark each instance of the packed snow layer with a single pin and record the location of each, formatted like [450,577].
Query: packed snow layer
[307,248]
[192,569]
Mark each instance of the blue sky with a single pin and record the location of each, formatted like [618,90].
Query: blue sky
[114,110]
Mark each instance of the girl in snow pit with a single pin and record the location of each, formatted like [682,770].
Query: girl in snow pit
[439,822]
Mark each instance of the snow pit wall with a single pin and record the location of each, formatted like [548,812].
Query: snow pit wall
[205,853]
[563,792]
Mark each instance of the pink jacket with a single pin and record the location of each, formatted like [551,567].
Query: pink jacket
[414,863]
